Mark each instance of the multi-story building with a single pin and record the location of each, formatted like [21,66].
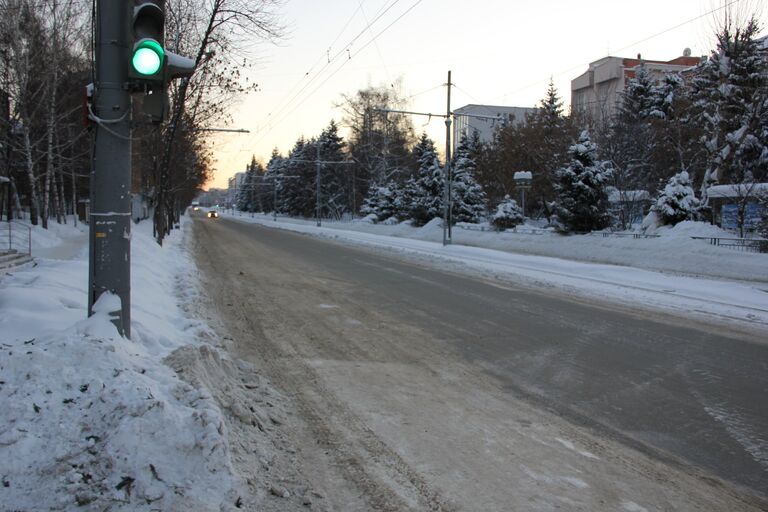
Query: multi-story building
[485,119]
[597,92]
[233,185]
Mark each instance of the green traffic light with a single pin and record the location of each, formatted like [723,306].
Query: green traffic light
[147,57]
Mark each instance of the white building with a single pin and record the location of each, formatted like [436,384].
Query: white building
[485,120]
[233,184]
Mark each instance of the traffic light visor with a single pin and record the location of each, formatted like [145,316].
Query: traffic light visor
[147,57]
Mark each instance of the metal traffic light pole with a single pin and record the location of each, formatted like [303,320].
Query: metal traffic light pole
[109,269]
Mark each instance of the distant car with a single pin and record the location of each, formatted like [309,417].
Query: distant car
[195,208]
[213,214]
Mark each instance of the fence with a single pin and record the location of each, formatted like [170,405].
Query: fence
[739,244]
[18,237]
[607,234]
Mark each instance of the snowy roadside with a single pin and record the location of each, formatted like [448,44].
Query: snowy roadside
[91,419]
[743,303]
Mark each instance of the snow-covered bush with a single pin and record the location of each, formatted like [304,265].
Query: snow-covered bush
[508,215]
[677,202]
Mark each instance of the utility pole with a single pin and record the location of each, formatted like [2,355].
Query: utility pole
[447,174]
[109,268]
[447,216]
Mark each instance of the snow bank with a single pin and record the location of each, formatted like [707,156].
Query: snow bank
[672,252]
[92,419]
[55,235]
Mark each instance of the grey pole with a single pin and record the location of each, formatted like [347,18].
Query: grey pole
[110,227]
[317,180]
[447,172]
[274,199]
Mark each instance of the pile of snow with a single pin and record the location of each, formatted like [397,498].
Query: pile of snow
[92,419]
[690,228]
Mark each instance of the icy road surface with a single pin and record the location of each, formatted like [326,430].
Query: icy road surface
[421,389]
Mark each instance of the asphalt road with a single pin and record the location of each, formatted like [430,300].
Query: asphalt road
[680,393]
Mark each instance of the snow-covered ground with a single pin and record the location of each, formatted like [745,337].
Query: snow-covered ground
[671,273]
[90,418]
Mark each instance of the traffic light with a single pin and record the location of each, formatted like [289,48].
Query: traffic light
[148,56]
[151,65]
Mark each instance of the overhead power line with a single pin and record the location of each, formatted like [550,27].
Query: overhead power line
[327,78]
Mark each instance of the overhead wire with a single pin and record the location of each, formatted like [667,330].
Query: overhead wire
[362,48]
[291,97]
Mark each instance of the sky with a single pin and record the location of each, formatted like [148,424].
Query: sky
[500,52]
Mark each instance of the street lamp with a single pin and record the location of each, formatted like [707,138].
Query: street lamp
[523,181]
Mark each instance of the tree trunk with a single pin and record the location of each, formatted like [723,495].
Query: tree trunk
[34,200]
[62,215]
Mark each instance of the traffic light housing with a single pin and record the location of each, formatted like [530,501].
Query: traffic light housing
[148,56]
[151,66]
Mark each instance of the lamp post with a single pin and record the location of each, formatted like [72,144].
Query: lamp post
[523,181]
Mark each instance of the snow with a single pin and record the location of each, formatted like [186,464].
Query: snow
[522,175]
[672,273]
[736,191]
[90,418]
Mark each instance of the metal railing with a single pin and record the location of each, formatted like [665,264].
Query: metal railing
[18,237]
[608,234]
[739,244]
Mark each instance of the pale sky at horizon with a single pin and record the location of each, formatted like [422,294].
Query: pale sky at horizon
[500,53]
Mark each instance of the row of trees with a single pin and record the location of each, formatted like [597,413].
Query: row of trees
[665,139]
[46,52]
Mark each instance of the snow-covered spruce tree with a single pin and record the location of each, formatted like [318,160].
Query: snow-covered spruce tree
[297,194]
[730,92]
[428,187]
[380,201]
[468,196]
[630,141]
[244,192]
[405,199]
[335,179]
[677,202]
[508,215]
[582,201]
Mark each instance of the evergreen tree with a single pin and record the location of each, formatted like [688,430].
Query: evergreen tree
[677,202]
[540,145]
[273,178]
[243,192]
[467,195]
[582,202]
[405,198]
[380,201]
[508,215]
[631,141]
[335,179]
[429,186]
[297,192]
[730,91]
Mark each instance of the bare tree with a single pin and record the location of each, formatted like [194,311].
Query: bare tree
[218,33]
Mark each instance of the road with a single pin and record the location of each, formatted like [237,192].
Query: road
[430,386]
